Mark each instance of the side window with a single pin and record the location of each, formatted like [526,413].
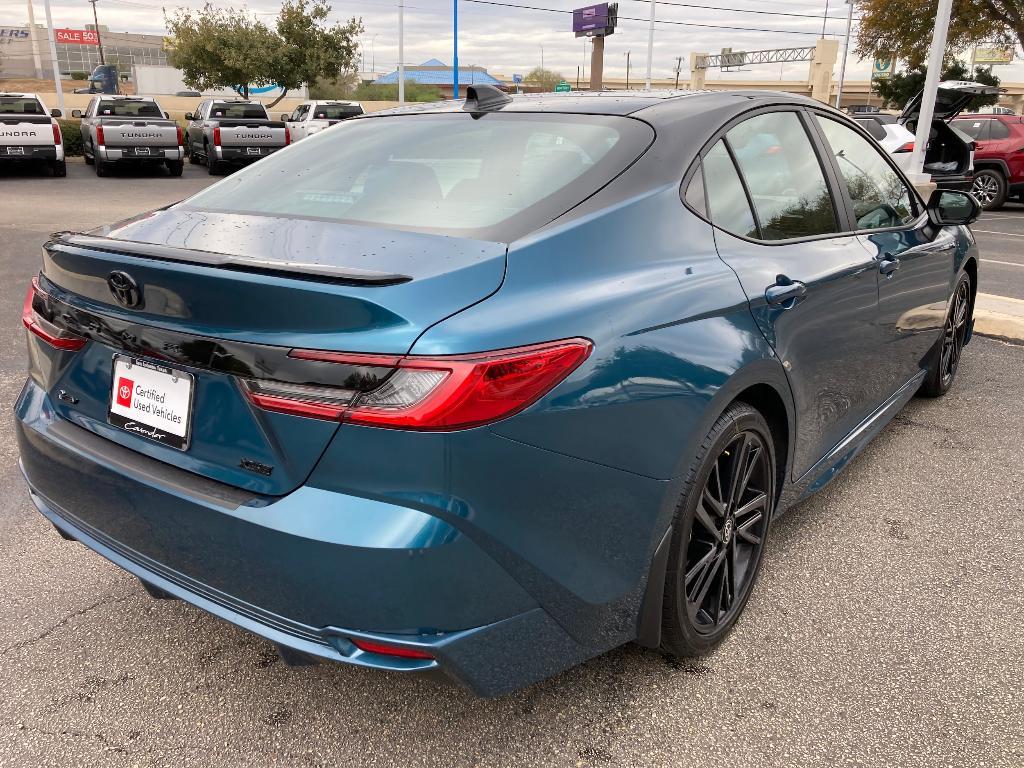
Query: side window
[976,129]
[297,114]
[880,198]
[873,127]
[999,130]
[90,111]
[785,180]
[728,206]
[694,195]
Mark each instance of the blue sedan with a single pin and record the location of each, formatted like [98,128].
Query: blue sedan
[490,388]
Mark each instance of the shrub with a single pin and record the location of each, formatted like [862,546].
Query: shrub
[413,92]
[71,130]
[79,75]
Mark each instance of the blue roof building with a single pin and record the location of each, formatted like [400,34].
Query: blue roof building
[437,73]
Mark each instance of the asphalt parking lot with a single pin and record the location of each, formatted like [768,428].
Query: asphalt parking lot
[886,629]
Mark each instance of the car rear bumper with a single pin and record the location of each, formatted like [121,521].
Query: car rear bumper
[30,152]
[126,154]
[961,183]
[308,571]
[243,154]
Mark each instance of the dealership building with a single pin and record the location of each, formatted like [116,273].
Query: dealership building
[77,50]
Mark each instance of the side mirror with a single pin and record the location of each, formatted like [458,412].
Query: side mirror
[56,113]
[950,208]
[167,116]
[74,112]
[284,117]
[189,116]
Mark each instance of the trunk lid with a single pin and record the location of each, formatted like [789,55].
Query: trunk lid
[133,133]
[26,130]
[953,97]
[224,297]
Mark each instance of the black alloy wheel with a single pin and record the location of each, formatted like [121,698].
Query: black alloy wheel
[945,359]
[722,528]
[955,332]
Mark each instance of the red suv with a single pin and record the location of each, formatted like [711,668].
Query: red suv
[998,157]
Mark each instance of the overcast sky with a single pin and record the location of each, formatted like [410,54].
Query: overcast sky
[509,40]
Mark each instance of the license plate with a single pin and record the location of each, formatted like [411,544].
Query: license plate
[152,401]
[252,150]
[15,150]
[142,150]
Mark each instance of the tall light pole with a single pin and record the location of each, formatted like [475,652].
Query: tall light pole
[931,84]
[373,55]
[846,52]
[96,24]
[455,49]
[627,69]
[824,19]
[401,51]
[37,64]
[53,57]
[650,47]
[541,56]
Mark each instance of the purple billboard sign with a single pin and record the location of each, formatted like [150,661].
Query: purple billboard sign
[591,18]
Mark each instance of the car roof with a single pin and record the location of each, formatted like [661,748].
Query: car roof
[10,94]
[610,102]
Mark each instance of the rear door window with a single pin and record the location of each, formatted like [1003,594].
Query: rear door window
[728,205]
[976,129]
[998,130]
[880,198]
[783,176]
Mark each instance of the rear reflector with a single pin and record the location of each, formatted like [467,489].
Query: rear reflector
[287,136]
[31,318]
[56,135]
[99,136]
[181,136]
[430,393]
[216,136]
[389,650]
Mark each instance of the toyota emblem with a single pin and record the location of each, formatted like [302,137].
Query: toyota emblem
[124,289]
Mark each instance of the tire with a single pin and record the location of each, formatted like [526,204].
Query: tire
[989,188]
[175,167]
[102,168]
[59,168]
[212,166]
[710,541]
[88,157]
[945,356]
[193,158]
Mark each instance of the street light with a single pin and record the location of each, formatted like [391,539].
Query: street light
[373,56]
[96,24]
[541,56]
[627,54]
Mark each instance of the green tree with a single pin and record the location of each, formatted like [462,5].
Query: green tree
[227,48]
[545,79]
[897,90]
[381,92]
[903,29]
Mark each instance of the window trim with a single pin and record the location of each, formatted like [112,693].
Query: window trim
[839,203]
[916,201]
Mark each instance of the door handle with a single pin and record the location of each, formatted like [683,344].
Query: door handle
[785,291]
[888,265]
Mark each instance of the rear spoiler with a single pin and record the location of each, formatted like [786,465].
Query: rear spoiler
[71,241]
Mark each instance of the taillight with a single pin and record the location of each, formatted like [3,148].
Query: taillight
[908,147]
[33,317]
[181,136]
[216,136]
[99,136]
[287,136]
[56,135]
[430,393]
[401,652]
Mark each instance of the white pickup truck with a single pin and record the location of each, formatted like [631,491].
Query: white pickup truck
[314,116]
[29,132]
[129,129]
[232,132]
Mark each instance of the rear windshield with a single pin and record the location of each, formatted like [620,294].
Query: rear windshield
[18,105]
[239,111]
[492,178]
[336,111]
[121,108]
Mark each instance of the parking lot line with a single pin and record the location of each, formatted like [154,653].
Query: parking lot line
[1005,263]
[993,232]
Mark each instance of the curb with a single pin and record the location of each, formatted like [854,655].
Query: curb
[999,317]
